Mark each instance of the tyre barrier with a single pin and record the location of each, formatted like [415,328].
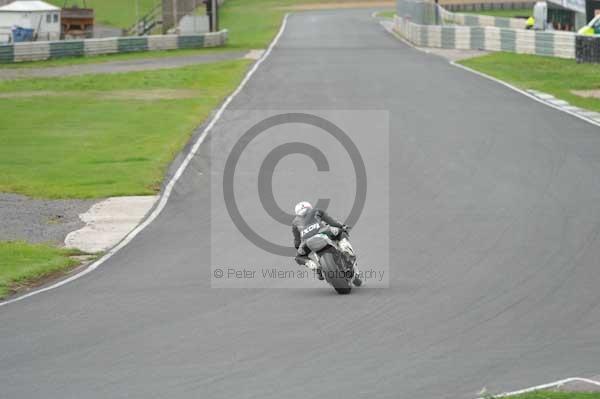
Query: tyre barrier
[490,38]
[37,51]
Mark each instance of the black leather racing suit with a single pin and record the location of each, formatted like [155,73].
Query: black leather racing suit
[300,223]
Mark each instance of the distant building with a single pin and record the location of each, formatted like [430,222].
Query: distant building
[42,17]
[566,14]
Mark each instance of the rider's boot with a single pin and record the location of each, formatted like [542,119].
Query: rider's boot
[348,251]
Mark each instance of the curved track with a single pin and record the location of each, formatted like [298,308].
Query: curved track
[495,230]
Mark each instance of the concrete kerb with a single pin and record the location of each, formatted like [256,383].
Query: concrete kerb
[108,222]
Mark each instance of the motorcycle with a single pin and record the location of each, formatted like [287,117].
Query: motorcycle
[335,259]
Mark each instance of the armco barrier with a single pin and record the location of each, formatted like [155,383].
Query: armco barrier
[556,44]
[35,51]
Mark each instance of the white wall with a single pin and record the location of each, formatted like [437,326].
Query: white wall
[50,25]
[37,20]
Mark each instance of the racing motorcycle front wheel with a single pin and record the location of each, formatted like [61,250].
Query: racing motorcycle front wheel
[332,268]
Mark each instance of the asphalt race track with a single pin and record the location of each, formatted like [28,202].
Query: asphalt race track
[494,254]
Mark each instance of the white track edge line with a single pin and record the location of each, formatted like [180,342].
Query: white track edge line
[593,122]
[484,75]
[548,385]
[525,93]
[169,187]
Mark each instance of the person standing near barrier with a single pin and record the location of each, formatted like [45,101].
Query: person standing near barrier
[529,23]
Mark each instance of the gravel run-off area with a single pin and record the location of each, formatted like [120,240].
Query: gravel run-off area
[40,220]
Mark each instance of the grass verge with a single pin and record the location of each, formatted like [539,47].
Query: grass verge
[25,264]
[557,395]
[85,137]
[97,59]
[386,14]
[252,23]
[555,76]
[519,12]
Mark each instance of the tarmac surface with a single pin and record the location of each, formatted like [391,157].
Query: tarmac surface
[494,230]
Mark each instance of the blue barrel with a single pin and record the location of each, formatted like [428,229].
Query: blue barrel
[22,34]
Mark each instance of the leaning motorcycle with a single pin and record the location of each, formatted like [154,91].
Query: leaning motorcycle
[335,258]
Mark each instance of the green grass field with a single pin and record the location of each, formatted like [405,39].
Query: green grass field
[252,23]
[117,13]
[386,14]
[90,137]
[558,395]
[554,76]
[24,263]
[522,12]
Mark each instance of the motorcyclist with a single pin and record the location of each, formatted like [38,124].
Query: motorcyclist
[306,215]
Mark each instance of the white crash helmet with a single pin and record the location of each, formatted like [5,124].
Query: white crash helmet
[302,207]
